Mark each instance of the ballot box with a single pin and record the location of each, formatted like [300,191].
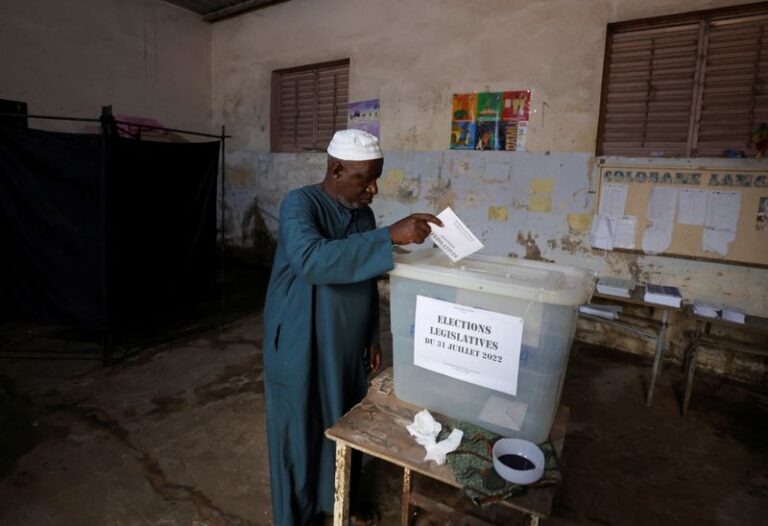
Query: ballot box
[485,340]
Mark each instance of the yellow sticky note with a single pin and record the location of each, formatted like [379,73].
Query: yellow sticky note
[542,186]
[580,222]
[540,203]
[498,213]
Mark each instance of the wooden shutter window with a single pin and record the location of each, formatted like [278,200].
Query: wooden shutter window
[650,85]
[309,104]
[735,89]
[694,84]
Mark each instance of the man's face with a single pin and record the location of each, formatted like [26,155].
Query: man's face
[356,181]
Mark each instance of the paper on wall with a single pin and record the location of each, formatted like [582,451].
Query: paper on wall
[624,231]
[662,204]
[693,206]
[454,237]
[723,210]
[613,199]
[602,235]
[657,237]
[717,241]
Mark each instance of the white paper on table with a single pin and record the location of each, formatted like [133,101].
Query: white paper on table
[602,235]
[454,237]
[657,237]
[474,345]
[692,207]
[624,229]
[613,199]
[717,241]
[662,204]
[723,210]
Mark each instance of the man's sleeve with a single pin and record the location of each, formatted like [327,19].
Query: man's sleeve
[322,261]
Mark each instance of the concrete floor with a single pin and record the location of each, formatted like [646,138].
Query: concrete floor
[175,436]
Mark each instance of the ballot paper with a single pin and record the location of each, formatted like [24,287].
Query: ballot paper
[454,237]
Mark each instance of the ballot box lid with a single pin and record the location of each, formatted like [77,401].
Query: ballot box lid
[525,279]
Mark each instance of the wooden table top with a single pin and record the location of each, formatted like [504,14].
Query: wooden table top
[376,426]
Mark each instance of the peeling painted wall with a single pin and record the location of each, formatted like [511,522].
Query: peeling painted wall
[413,56]
[147,58]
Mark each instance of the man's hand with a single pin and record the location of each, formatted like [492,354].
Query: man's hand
[372,357]
[412,229]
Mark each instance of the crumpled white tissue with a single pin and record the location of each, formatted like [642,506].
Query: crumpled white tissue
[425,430]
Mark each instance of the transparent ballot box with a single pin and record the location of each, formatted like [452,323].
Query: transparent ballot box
[491,341]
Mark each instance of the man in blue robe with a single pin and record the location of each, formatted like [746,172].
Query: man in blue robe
[321,317]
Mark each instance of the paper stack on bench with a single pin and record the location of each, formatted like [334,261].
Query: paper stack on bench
[609,312]
[733,314]
[663,295]
[615,286]
[708,310]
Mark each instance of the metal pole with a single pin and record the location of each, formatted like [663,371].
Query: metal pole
[223,182]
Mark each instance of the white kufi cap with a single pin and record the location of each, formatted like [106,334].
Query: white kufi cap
[354,145]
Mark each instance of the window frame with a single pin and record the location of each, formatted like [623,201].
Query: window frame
[275,105]
[705,20]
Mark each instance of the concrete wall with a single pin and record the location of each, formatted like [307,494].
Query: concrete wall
[145,57]
[413,56]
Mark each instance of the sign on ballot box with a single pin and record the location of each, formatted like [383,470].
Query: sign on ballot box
[470,344]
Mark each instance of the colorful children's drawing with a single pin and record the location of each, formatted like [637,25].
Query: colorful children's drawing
[516,105]
[488,106]
[462,135]
[364,115]
[486,136]
[490,120]
[464,106]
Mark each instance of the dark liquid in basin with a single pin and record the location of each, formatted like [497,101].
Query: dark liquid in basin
[517,462]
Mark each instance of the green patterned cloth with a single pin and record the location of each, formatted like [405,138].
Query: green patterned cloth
[472,465]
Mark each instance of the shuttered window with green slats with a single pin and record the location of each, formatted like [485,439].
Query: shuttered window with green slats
[690,85]
[309,104]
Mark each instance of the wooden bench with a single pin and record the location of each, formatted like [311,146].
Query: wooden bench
[649,327]
[703,336]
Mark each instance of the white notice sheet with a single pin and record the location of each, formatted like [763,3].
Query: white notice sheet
[693,206]
[657,237]
[613,198]
[723,210]
[717,241]
[662,204]
[474,345]
[624,231]
[602,233]
[454,237]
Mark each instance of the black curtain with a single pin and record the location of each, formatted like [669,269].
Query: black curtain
[104,232]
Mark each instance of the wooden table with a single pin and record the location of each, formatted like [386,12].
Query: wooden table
[376,426]
[652,329]
[703,335]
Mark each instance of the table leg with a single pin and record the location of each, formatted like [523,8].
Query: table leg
[405,507]
[341,497]
[691,369]
[661,345]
